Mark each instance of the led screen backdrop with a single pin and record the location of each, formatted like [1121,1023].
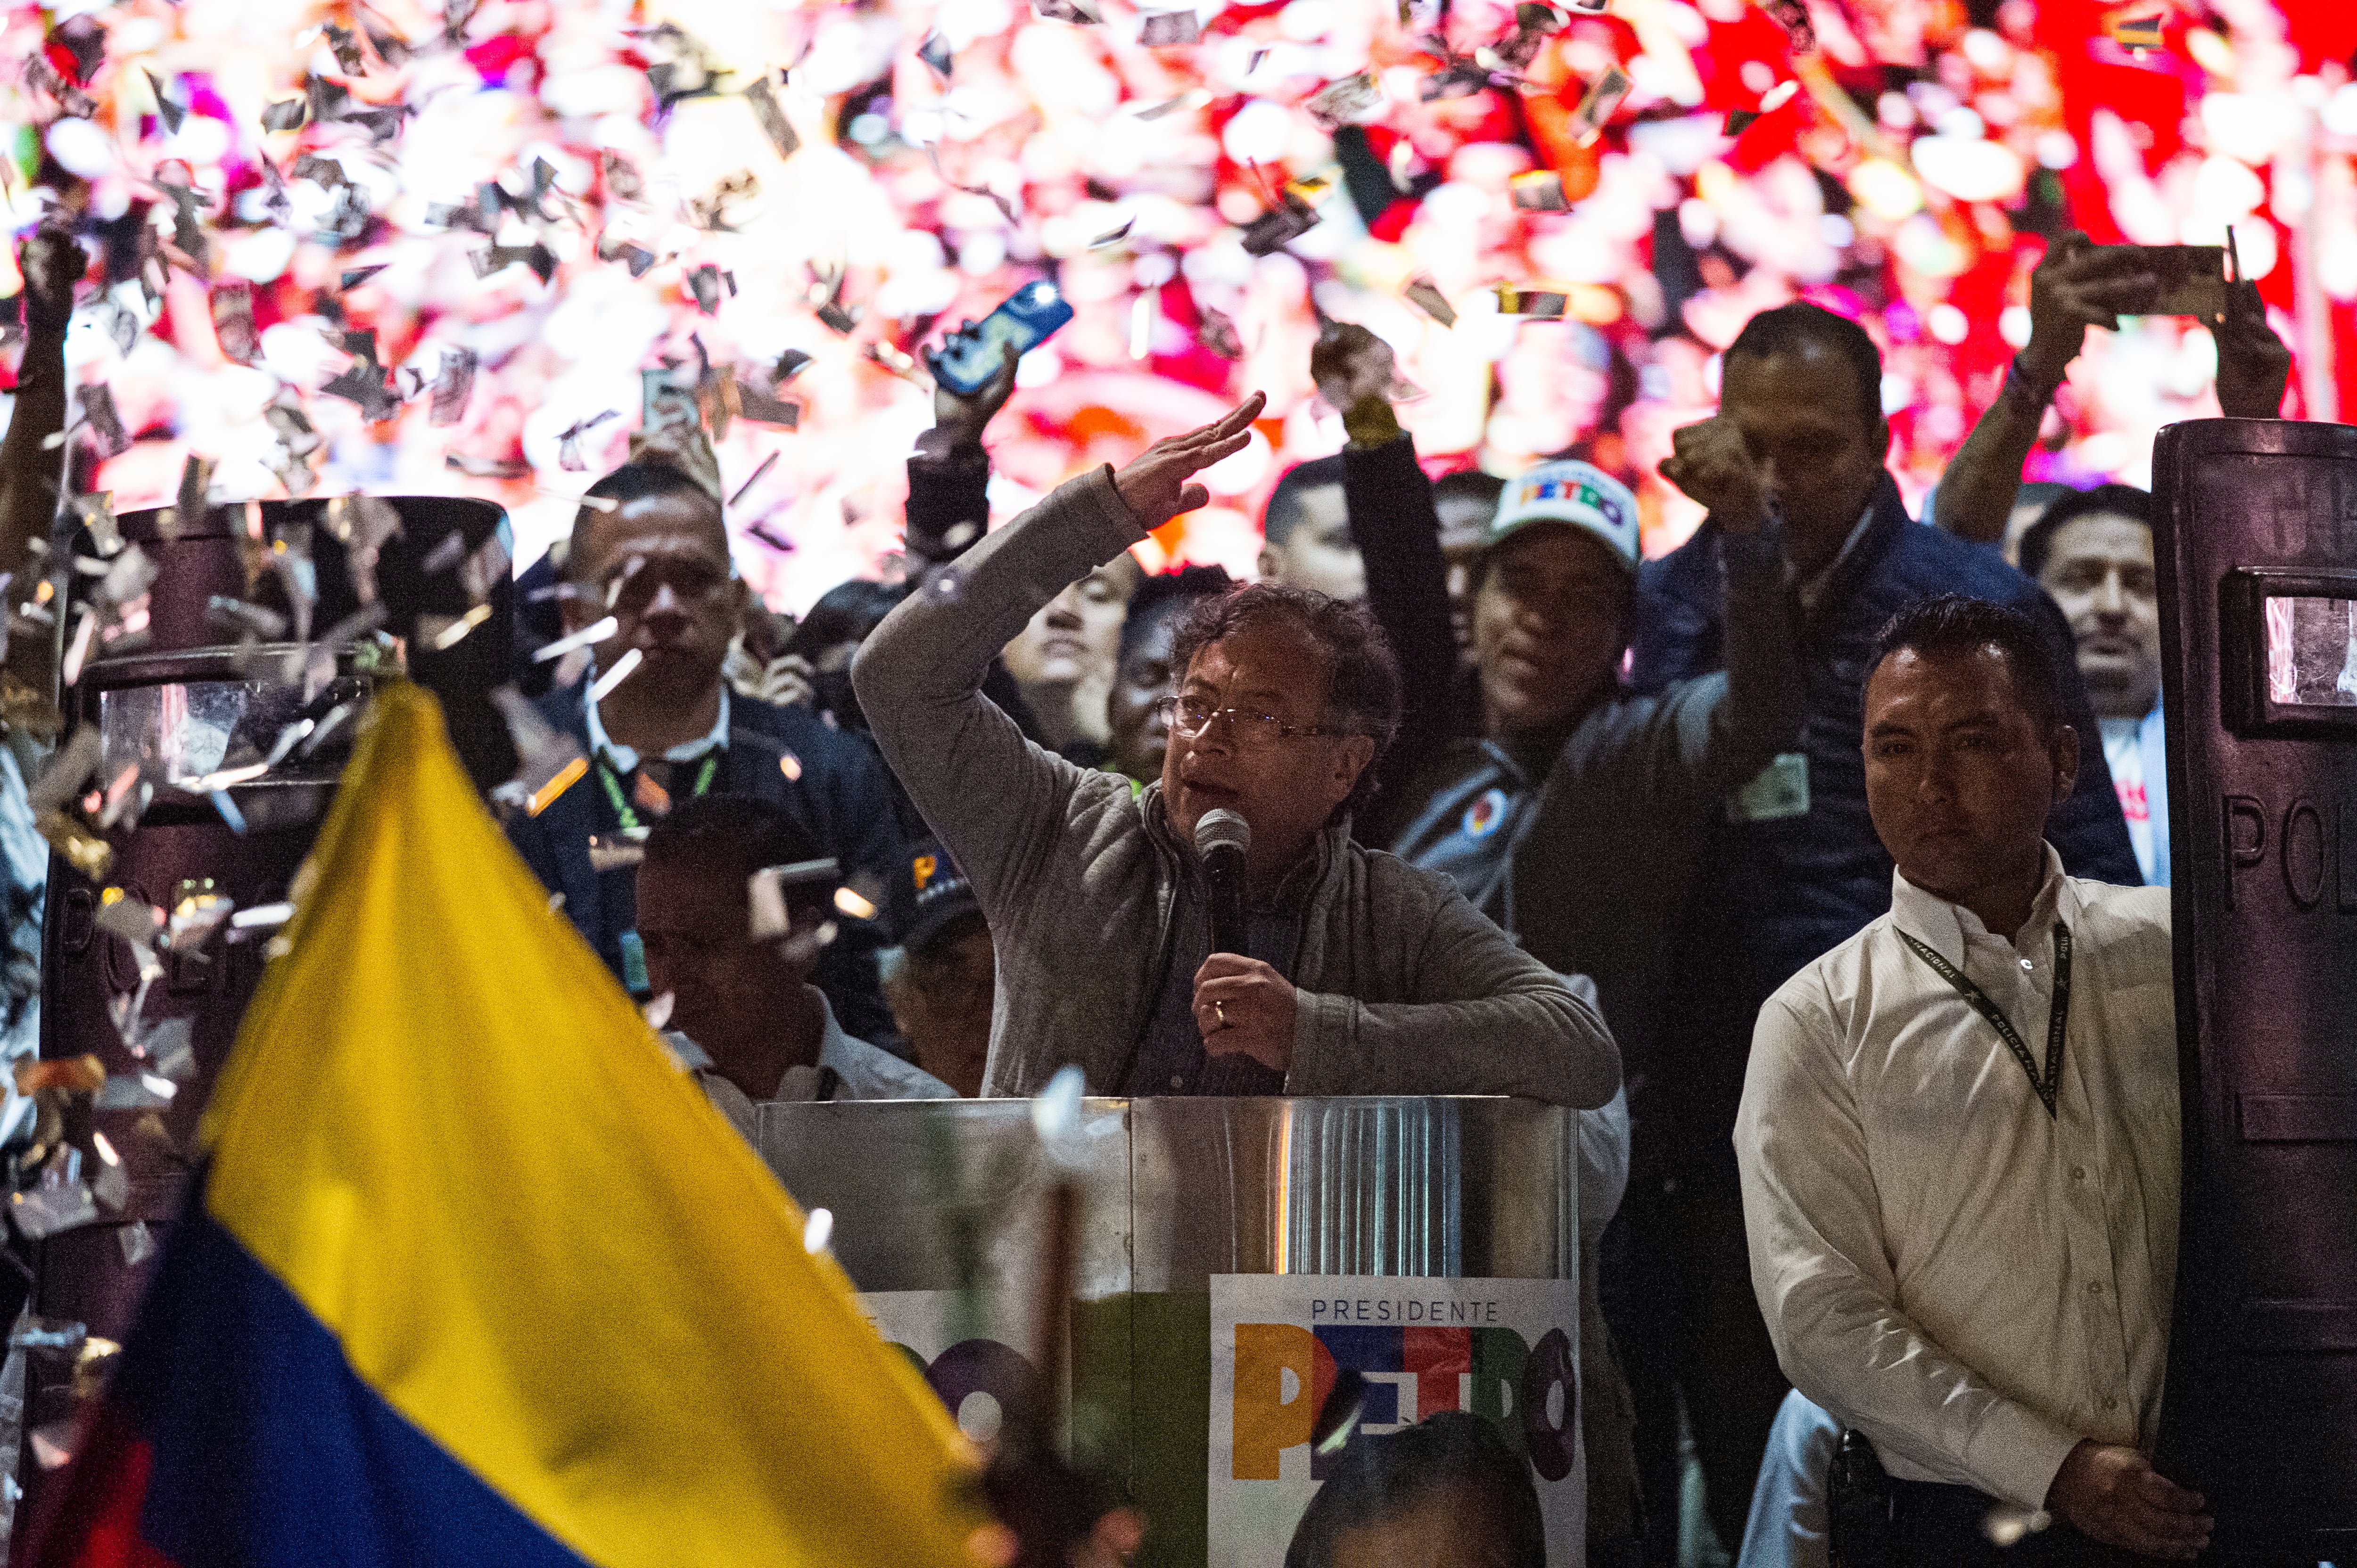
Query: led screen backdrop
[529,204]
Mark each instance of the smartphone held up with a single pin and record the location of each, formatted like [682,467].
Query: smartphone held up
[2191,280]
[1024,320]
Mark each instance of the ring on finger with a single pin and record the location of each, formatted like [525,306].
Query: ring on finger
[1219,1011]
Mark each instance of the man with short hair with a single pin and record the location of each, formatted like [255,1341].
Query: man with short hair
[1958,1135]
[1362,976]
[2091,552]
[744,1012]
[1793,866]
[1960,1130]
[649,551]
[1306,531]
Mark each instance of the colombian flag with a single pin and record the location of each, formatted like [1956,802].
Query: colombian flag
[475,1275]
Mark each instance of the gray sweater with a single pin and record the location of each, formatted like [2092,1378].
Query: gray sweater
[1404,988]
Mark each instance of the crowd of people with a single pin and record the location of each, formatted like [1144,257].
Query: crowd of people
[1763,855]
[1642,820]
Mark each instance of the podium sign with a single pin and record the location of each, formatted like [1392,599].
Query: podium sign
[1498,1349]
[1430,1245]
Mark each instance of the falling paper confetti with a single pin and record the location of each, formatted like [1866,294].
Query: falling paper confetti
[1427,297]
[1168,29]
[1346,101]
[772,115]
[1540,190]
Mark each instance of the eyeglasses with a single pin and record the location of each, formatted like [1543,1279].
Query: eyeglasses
[1189,717]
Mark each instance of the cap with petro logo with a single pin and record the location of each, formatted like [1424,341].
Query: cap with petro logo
[1570,492]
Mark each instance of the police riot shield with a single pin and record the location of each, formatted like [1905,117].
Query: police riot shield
[2255,535]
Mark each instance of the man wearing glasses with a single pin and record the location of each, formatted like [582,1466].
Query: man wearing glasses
[1362,975]
[649,572]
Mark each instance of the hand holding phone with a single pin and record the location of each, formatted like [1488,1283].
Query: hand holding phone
[2253,364]
[2079,286]
[973,353]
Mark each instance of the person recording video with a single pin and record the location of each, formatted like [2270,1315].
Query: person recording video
[1289,961]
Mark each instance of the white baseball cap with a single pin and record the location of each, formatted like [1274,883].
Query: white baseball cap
[1579,494]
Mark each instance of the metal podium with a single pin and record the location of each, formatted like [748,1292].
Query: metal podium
[1199,1214]
[2255,526]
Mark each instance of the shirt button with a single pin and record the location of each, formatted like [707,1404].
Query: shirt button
[2094,1287]
[2078,1172]
[1176,1081]
[2111,1403]
[2027,964]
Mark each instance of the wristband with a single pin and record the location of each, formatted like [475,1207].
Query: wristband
[2019,384]
[1370,424]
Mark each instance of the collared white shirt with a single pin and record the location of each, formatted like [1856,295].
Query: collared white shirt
[623,759]
[863,1072]
[1975,1285]
[2123,755]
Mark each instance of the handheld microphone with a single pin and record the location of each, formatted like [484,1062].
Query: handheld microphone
[1223,838]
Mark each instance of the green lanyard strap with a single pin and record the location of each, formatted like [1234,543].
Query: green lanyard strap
[2058,1016]
[629,817]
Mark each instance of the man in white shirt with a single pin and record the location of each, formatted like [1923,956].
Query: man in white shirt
[2091,552]
[743,1013]
[1958,1137]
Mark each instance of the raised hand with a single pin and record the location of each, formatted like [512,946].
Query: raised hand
[52,263]
[1350,363]
[1155,486]
[2253,364]
[1711,462]
[2078,285]
[963,417]
[788,682]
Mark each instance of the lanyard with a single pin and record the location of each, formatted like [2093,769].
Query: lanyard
[2058,1016]
[629,817]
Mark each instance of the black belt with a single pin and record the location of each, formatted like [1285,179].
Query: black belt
[1876,1520]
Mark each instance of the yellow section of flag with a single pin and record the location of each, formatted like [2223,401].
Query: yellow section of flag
[446,1130]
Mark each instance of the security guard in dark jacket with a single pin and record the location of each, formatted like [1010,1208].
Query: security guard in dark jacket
[651,577]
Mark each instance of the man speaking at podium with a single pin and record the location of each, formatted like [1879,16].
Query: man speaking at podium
[1339,970]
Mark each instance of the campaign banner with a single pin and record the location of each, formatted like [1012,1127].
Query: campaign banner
[1503,1351]
[965,1350]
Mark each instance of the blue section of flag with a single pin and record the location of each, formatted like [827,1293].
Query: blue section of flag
[270,1451]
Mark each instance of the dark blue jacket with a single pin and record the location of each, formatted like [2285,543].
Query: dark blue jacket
[842,797]
[1777,894]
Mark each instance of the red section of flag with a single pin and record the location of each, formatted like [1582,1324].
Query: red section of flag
[93,1519]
